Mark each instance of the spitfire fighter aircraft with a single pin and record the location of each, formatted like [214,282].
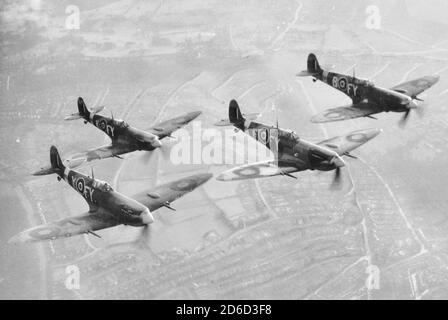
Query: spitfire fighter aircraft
[124,138]
[107,207]
[367,98]
[291,153]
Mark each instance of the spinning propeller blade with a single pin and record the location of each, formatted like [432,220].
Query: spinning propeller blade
[405,118]
[414,104]
[145,235]
[164,151]
[336,184]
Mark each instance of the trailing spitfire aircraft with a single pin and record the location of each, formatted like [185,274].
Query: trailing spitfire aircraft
[292,154]
[107,208]
[367,98]
[124,138]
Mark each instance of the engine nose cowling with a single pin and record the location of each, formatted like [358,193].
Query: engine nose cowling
[156,143]
[337,161]
[146,217]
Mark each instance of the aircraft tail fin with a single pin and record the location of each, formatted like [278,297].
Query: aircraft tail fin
[312,64]
[56,164]
[82,108]
[313,67]
[235,114]
[236,118]
[83,111]
[55,159]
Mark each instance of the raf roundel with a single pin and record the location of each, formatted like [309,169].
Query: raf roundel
[247,172]
[184,185]
[422,83]
[342,83]
[103,125]
[357,137]
[333,115]
[263,136]
[45,233]
[80,184]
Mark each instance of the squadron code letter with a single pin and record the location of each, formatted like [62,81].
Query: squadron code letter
[193,310]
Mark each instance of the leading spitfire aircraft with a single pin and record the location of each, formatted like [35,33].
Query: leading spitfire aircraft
[107,208]
[291,153]
[124,137]
[367,98]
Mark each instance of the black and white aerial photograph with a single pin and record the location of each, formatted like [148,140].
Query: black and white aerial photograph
[224,150]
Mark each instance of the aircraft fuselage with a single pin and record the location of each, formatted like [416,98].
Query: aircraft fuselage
[100,196]
[363,90]
[290,149]
[120,132]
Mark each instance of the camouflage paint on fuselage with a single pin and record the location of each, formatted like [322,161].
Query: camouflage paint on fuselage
[100,196]
[289,149]
[120,132]
[363,90]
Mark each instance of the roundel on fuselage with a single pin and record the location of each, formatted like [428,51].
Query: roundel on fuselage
[263,135]
[342,83]
[102,124]
[80,185]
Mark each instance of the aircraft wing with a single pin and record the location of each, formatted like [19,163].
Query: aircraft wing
[257,170]
[345,144]
[67,227]
[414,87]
[166,128]
[103,152]
[358,110]
[163,195]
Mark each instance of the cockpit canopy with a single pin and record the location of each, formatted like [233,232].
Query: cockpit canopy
[290,135]
[363,82]
[121,123]
[102,186]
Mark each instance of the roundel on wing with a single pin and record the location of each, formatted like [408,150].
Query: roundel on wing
[247,172]
[45,233]
[357,137]
[333,115]
[184,185]
[422,83]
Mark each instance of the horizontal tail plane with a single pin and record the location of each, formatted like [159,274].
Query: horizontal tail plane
[83,111]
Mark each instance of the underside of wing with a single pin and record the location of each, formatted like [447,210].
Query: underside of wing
[103,152]
[66,227]
[362,109]
[345,144]
[164,194]
[257,170]
[414,87]
[166,128]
